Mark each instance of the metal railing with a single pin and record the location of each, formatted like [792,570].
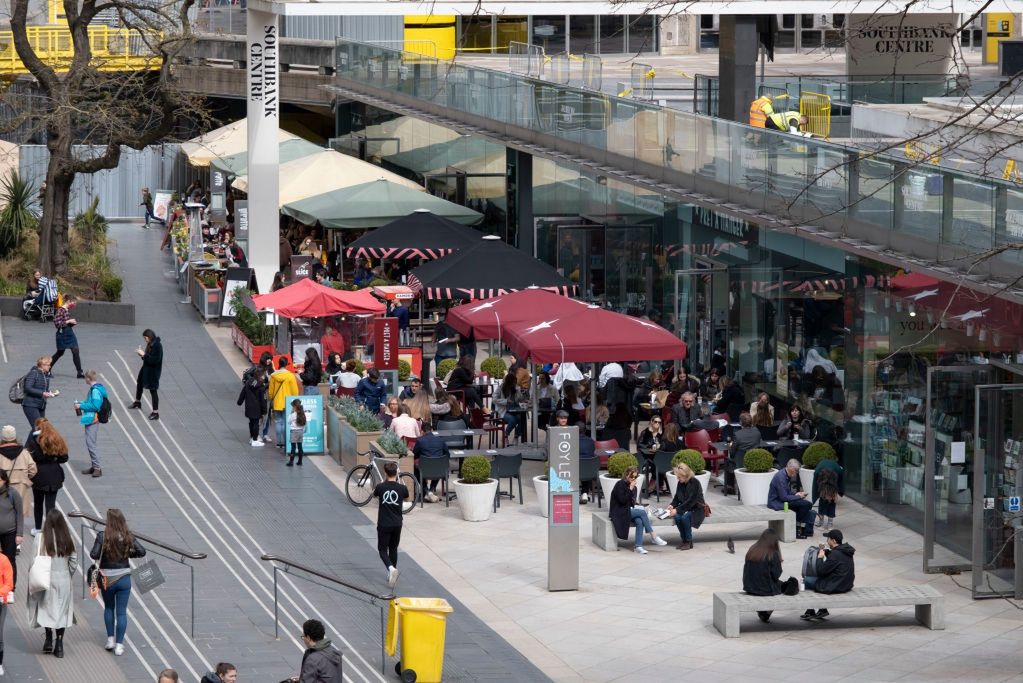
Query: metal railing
[593,69]
[178,556]
[113,49]
[378,600]
[641,81]
[561,69]
[526,59]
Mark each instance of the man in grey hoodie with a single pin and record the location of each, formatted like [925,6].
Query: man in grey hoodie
[321,662]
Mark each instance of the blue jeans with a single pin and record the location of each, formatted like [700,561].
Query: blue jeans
[684,522]
[266,423]
[511,421]
[809,582]
[311,391]
[279,428]
[642,522]
[115,602]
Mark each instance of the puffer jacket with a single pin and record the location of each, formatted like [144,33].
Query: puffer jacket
[321,663]
[35,384]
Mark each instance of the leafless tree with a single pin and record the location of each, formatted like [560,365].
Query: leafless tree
[86,100]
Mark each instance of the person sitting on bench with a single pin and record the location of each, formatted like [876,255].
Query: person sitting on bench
[835,569]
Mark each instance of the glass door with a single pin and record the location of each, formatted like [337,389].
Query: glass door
[948,466]
[997,488]
[581,259]
[701,306]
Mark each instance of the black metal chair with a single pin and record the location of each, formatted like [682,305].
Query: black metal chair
[506,467]
[454,441]
[662,465]
[434,468]
[589,470]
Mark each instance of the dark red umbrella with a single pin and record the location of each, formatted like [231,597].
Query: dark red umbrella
[307,299]
[490,318]
[592,335]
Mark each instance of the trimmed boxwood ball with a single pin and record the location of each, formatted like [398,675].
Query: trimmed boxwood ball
[691,457]
[619,462]
[494,366]
[817,451]
[446,366]
[758,460]
[404,370]
[475,470]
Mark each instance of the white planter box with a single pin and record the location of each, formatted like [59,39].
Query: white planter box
[542,487]
[476,501]
[607,483]
[704,480]
[806,480]
[753,487]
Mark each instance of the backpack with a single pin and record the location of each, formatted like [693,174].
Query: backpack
[810,561]
[827,485]
[17,391]
[105,408]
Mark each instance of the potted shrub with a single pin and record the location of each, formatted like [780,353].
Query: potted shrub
[389,443]
[404,370]
[207,294]
[812,456]
[249,331]
[541,484]
[616,465]
[754,480]
[445,367]
[357,430]
[475,489]
[694,459]
[494,367]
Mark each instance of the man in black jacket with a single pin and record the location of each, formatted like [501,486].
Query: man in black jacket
[321,662]
[835,570]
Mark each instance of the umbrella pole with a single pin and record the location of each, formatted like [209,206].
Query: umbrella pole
[422,349]
[593,402]
[534,431]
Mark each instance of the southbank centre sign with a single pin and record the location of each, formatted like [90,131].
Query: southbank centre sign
[263,78]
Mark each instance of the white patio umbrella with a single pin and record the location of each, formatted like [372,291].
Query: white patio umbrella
[222,142]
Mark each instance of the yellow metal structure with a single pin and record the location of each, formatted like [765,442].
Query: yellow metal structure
[998,27]
[916,152]
[817,110]
[1011,172]
[438,31]
[113,49]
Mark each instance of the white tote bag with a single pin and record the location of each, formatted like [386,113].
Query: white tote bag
[39,573]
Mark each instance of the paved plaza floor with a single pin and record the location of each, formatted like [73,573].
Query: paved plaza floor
[192,480]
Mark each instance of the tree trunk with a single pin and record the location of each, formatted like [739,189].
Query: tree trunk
[53,224]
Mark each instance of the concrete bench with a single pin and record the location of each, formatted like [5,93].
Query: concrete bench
[929,603]
[783,523]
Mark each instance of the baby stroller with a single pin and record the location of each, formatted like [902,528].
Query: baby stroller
[39,306]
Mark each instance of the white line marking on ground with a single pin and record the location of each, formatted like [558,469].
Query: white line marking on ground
[3,344]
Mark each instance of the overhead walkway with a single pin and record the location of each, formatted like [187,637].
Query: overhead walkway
[113,49]
[886,208]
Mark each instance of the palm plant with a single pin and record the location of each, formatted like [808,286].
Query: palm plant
[17,217]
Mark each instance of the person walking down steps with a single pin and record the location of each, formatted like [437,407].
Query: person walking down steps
[149,373]
[296,430]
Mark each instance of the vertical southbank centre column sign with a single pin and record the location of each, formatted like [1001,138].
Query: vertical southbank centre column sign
[263,83]
[563,499]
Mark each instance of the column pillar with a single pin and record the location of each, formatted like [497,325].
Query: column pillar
[263,112]
[739,47]
[524,201]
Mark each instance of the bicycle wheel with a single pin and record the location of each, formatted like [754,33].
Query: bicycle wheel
[359,485]
[413,487]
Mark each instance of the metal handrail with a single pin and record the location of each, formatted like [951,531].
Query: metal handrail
[381,601]
[151,541]
[183,555]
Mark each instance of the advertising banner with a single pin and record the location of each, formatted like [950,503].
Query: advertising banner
[312,441]
[385,344]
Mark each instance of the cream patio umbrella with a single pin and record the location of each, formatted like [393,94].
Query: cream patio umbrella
[222,142]
[326,172]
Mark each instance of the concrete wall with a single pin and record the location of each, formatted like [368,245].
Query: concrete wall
[103,312]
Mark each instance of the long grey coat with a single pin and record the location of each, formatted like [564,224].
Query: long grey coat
[54,608]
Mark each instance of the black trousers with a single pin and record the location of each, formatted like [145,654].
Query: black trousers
[254,429]
[152,392]
[9,547]
[74,356]
[42,499]
[387,545]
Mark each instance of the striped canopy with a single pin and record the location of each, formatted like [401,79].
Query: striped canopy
[421,234]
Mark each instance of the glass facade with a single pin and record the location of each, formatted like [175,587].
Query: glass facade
[577,34]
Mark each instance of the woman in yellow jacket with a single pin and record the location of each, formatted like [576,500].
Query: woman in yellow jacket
[282,385]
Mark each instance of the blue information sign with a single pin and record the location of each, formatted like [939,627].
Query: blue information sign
[312,441]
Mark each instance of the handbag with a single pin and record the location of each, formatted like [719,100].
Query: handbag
[39,573]
[92,576]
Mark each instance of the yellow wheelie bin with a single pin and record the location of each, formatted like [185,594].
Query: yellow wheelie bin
[423,623]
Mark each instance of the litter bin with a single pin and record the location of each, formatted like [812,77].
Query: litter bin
[423,623]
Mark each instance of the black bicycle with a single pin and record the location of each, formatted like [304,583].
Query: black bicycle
[363,479]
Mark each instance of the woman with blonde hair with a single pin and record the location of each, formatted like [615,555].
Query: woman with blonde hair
[418,407]
[53,608]
[114,547]
[687,505]
[49,451]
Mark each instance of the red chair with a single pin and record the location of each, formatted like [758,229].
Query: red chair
[344,391]
[609,445]
[666,415]
[700,440]
[490,426]
[410,442]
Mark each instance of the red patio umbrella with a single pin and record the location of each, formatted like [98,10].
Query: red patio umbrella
[490,318]
[307,299]
[592,335]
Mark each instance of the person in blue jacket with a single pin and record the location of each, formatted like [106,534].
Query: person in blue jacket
[785,488]
[371,392]
[89,408]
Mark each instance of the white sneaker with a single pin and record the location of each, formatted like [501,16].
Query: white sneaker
[431,497]
[34,532]
[10,598]
[1,669]
[118,649]
[267,438]
[819,522]
[392,577]
[256,443]
[110,644]
[640,549]
[660,541]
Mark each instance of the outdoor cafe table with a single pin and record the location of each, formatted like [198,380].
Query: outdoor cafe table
[467,433]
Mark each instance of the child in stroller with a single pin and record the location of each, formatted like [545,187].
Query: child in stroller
[39,304]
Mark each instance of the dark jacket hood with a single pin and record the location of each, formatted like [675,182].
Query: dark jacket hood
[11,450]
[844,548]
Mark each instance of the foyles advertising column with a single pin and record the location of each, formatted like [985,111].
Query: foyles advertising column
[262,99]
[563,522]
